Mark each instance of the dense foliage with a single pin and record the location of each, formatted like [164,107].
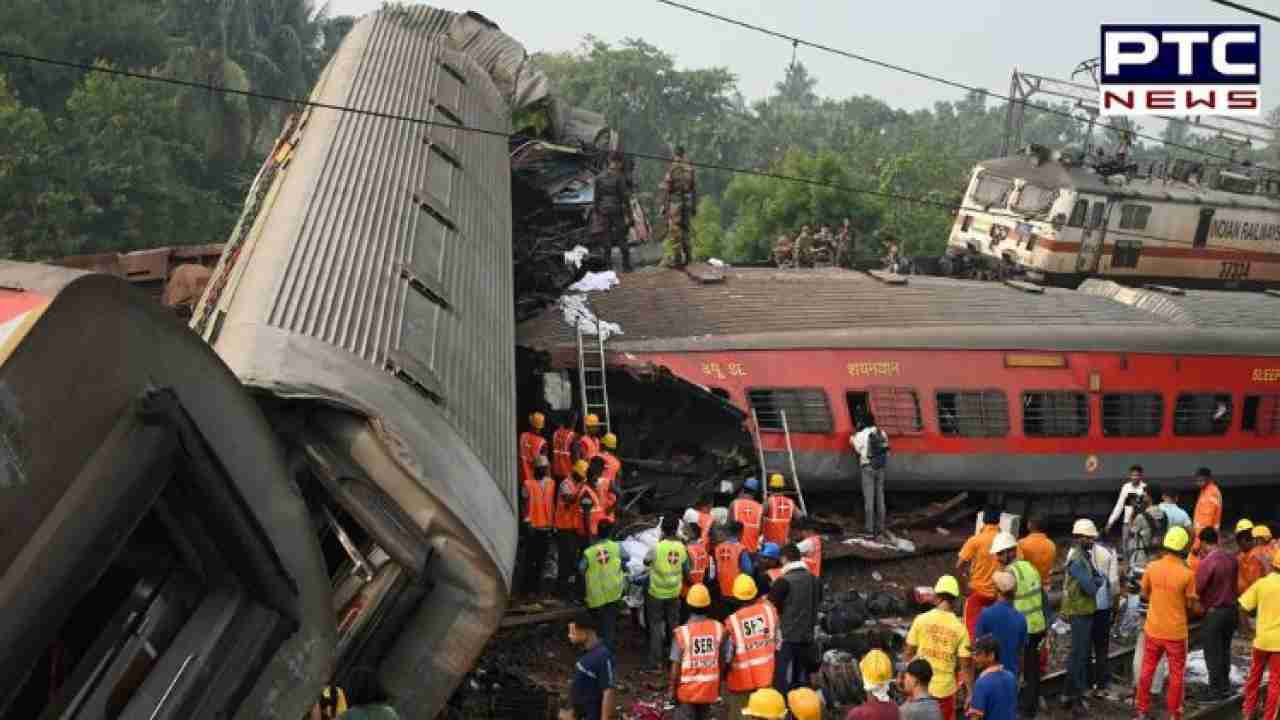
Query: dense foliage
[92,162]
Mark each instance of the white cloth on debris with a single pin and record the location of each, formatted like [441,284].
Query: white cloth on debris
[595,282]
[897,544]
[575,256]
[637,546]
[717,262]
[577,313]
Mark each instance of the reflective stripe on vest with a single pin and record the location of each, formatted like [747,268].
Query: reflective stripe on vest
[728,565]
[755,632]
[540,505]
[777,521]
[611,465]
[588,447]
[667,569]
[699,562]
[1028,599]
[604,573]
[568,516]
[748,513]
[609,500]
[814,559]
[562,452]
[531,446]
[592,522]
[699,662]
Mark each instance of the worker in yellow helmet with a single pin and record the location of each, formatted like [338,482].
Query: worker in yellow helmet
[532,446]
[805,704]
[767,704]
[588,445]
[877,674]
[941,638]
[697,655]
[610,484]
[1169,586]
[778,511]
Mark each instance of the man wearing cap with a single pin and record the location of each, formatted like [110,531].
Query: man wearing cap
[778,512]
[766,704]
[1216,585]
[1079,602]
[805,704]
[977,553]
[570,528]
[1107,565]
[538,499]
[611,475]
[702,567]
[768,566]
[753,633]
[1258,561]
[746,510]
[877,673]
[697,655]
[588,444]
[1170,588]
[1262,600]
[939,637]
[732,560]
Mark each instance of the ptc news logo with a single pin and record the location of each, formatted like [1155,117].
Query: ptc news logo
[1181,69]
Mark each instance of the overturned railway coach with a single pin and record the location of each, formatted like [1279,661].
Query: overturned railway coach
[984,386]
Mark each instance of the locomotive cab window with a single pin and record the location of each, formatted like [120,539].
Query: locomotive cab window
[981,413]
[992,190]
[1261,414]
[1135,415]
[1204,414]
[897,410]
[806,409]
[1055,414]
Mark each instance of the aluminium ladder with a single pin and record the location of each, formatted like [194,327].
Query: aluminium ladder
[593,386]
[791,461]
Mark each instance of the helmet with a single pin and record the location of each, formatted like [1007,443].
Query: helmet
[334,697]
[776,482]
[744,588]
[1004,541]
[771,550]
[876,668]
[690,517]
[1176,539]
[592,420]
[767,703]
[805,704]
[1261,531]
[580,468]
[1244,525]
[1085,527]
[947,585]
[699,596]
[752,483]
[537,420]
[610,441]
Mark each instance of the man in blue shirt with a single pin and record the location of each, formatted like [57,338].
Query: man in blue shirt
[995,692]
[1004,623]
[591,690]
[1174,514]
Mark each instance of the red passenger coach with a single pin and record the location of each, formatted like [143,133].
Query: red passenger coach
[982,386]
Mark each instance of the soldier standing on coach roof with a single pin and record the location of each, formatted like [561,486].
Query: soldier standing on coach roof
[680,190]
[611,216]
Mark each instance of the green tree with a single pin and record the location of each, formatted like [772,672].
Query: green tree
[708,234]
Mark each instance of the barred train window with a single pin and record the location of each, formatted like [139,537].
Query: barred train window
[1261,414]
[1055,414]
[981,413]
[1207,414]
[1136,415]
[1126,254]
[1134,217]
[897,410]
[1078,213]
[806,408]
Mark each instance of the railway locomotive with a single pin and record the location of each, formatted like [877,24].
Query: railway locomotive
[1059,221]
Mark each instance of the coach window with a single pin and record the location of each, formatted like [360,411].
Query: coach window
[1204,414]
[806,409]
[1132,415]
[1134,217]
[1079,213]
[1261,414]
[1126,254]
[897,410]
[1055,414]
[981,413]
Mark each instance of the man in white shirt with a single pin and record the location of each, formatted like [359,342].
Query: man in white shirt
[872,448]
[1129,494]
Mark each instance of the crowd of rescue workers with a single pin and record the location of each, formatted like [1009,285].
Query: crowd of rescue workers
[732,598]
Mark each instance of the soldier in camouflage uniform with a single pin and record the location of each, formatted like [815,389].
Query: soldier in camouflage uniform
[611,213]
[680,189]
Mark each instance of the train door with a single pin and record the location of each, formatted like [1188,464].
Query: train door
[1202,229]
[1093,235]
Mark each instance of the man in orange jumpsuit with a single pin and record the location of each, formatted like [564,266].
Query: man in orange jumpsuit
[1208,511]
[982,565]
[532,446]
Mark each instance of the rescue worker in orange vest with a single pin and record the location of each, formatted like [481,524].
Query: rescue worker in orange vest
[1208,510]
[768,566]
[755,633]
[538,497]
[588,445]
[562,442]
[702,506]
[778,512]
[702,567]
[811,546]
[732,560]
[748,511]
[532,445]
[594,498]
[610,477]
[569,529]
[697,654]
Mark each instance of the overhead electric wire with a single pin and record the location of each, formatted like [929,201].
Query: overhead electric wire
[507,136]
[795,41]
[1247,9]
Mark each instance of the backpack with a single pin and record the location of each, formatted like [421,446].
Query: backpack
[877,449]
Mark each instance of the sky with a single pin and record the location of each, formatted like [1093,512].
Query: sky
[977,42]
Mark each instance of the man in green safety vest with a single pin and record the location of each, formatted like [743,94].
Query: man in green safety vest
[668,562]
[1030,600]
[601,565]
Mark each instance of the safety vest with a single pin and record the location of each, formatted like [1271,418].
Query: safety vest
[611,465]
[562,452]
[588,447]
[531,446]
[667,569]
[777,519]
[604,573]
[1075,601]
[705,521]
[728,565]
[608,498]
[748,512]
[699,644]
[754,630]
[540,506]
[591,526]
[813,560]
[1028,599]
[568,514]
[699,562]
